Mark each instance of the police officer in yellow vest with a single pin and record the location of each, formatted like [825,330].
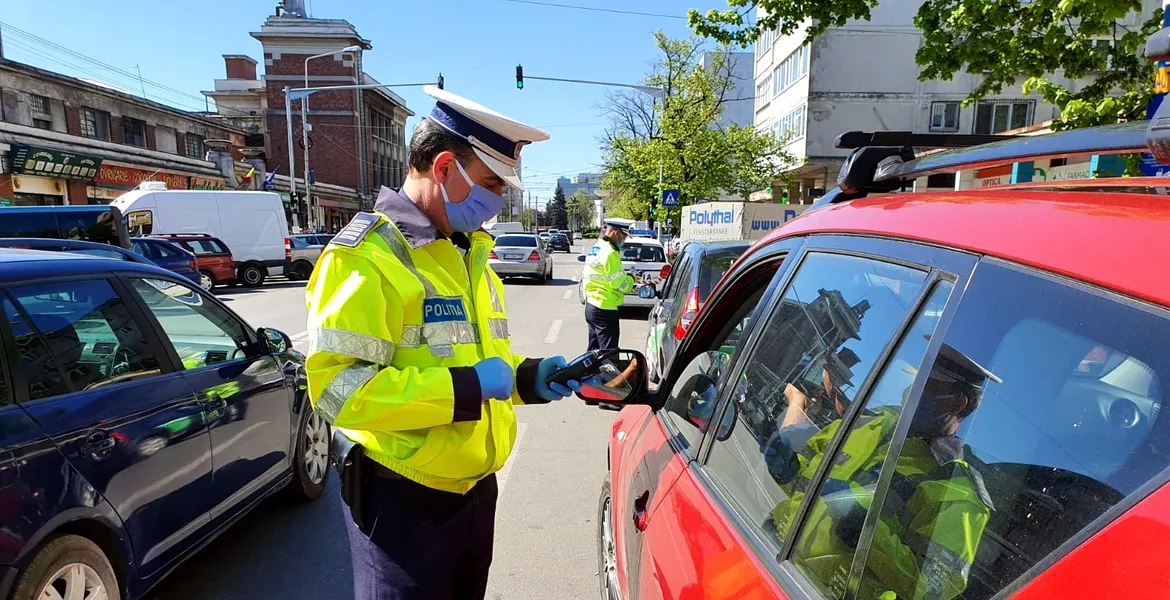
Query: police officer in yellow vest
[934,512]
[411,361]
[606,284]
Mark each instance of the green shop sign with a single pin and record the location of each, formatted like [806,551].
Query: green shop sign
[31,160]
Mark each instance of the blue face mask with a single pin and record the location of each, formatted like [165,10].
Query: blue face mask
[481,204]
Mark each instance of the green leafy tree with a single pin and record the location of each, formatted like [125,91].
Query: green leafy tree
[557,210]
[1009,42]
[681,138]
[581,209]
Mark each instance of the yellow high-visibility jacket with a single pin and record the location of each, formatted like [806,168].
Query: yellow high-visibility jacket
[394,332]
[606,283]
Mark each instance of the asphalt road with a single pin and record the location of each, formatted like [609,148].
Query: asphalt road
[546,521]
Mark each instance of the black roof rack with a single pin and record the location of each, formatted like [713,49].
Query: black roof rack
[884,161]
[860,139]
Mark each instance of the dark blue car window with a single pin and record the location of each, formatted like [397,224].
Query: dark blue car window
[81,336]
[201,332]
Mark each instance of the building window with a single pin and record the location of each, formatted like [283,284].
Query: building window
[40,109]
[194,145]
[387,151]
[133,132]
[95,124]
[944,117]
[763,92]
[998,117]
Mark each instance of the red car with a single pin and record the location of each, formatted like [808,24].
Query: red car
[214,259]
[933,395]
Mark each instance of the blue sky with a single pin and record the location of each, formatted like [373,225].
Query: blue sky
[475,43]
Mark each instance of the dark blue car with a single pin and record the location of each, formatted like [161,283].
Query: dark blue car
[168,255]
[139,417]
[151,252]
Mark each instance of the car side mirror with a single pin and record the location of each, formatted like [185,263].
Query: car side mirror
[580,258]
[621,379]
[277,341]
[701,392]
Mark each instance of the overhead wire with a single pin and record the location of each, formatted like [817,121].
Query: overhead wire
[128,75]
[597,9]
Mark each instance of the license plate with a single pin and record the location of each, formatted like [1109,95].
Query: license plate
[513,256]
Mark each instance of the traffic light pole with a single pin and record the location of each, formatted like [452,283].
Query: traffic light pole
[605,83]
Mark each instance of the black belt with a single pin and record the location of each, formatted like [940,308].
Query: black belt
[379,470]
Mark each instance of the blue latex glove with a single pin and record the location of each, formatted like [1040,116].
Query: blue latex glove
[781,459]
[495,378]
[553,391]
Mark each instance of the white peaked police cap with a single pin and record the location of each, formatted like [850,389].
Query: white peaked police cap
[497,139]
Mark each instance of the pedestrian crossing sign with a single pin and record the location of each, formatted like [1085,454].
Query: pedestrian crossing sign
[670,197]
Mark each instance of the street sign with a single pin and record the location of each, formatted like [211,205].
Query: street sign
[1149,166]
[669,222]
[670,197]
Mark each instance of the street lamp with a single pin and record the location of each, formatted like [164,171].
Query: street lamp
[305,126]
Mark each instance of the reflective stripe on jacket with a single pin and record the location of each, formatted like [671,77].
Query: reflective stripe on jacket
[606,283]
[394,332]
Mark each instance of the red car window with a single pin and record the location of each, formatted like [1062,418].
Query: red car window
[818,344]
[1045,444]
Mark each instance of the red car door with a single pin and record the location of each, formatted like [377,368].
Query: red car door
[674,544]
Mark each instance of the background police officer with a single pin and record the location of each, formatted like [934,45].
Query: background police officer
[606,284]
[411,361]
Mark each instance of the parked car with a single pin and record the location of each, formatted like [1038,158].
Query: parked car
[97,249]
[521,255]
[559,241]
[252,223]
[214,259]
[576,235]
[938,394]
[682,292]
[169,256]
[643,258]
[305,250]
[96,223]
[126,394]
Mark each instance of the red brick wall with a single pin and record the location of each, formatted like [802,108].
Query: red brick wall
[333,155]
[239,68]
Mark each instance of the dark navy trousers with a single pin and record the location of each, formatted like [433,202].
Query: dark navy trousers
[604,328]
[422,543]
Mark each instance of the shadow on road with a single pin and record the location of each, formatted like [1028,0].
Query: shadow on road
[268,285]
[555,282]
[280,550]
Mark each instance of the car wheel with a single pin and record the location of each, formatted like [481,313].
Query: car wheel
[607,578]
[311,460]
[301,270]
[68,566]
[251,275]
[206,280]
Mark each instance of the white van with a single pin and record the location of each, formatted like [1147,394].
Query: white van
[252,224]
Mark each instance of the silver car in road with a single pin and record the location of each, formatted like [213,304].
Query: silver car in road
[521,255]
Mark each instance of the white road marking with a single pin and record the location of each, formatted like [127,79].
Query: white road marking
[553,331]
[568,293]
[576,278]
[502,474]
[300,337]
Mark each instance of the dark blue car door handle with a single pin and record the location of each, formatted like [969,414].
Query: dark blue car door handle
[98,445]
[214,405]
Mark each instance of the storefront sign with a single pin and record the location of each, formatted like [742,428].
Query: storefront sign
[105,194]
[202,183]
[350,204]
[127,178]
[30,184]
[32,160]
[5,201]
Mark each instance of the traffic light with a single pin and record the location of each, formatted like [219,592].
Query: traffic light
[519,77]
[440,81]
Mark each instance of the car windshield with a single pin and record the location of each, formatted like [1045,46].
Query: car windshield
[642,253]
[526,241]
